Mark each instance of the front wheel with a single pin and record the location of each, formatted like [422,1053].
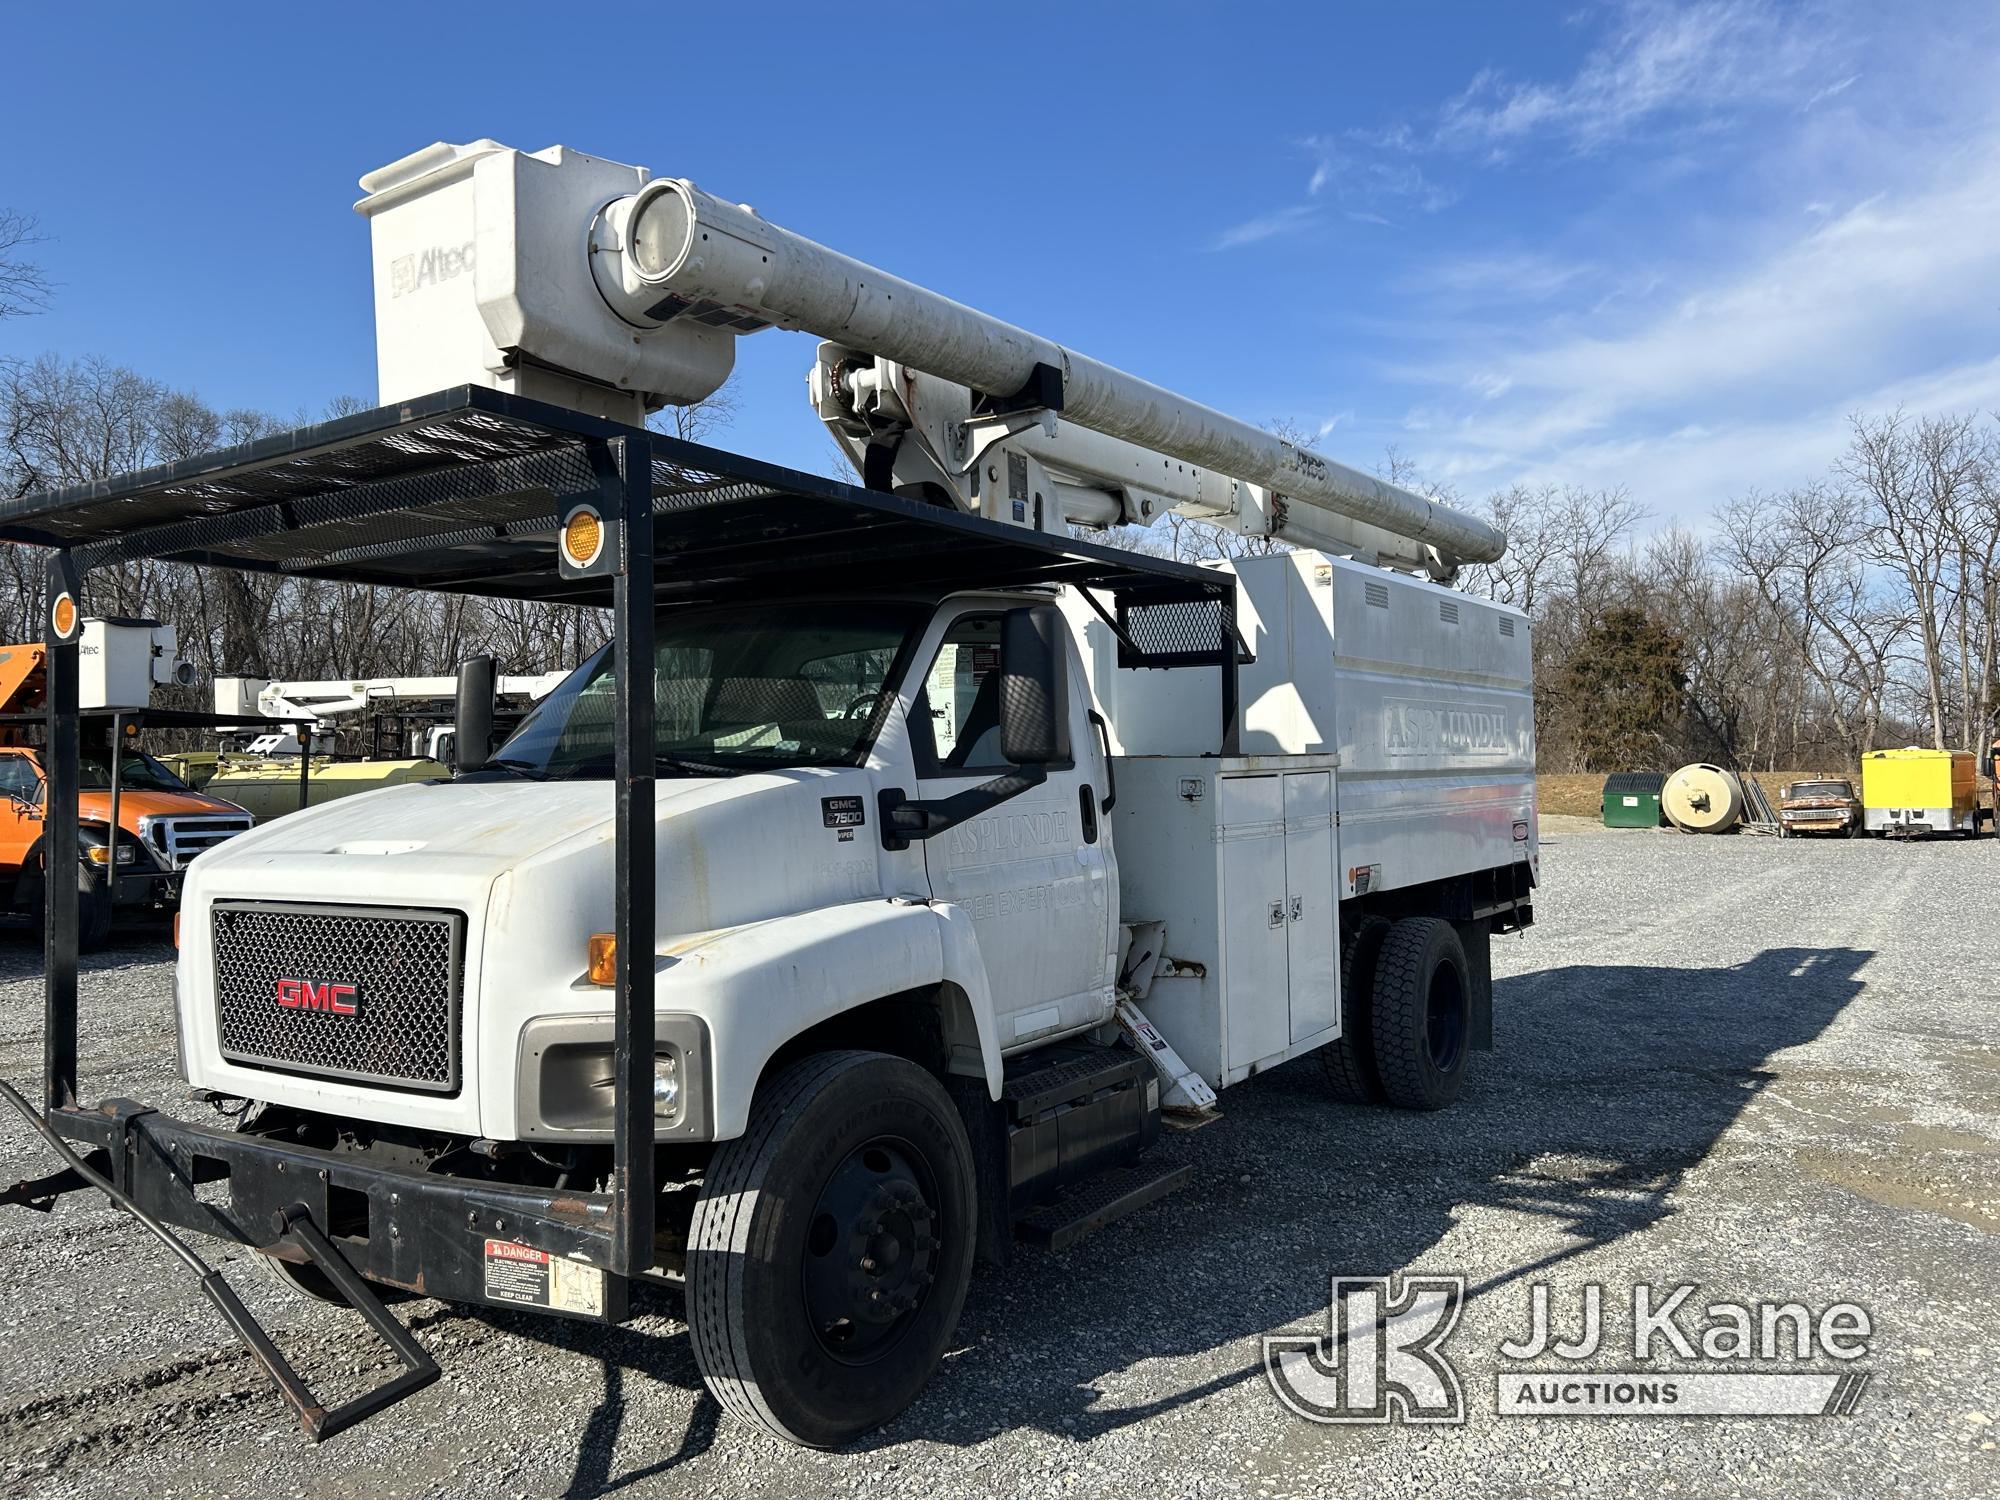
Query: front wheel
[94,912]
[831,1248]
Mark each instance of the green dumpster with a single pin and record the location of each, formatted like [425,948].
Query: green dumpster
[1632,799]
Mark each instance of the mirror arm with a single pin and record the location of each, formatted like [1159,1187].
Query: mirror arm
[905,819]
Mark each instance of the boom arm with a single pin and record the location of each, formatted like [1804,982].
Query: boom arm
[583,282]
[682,250]
[328,699]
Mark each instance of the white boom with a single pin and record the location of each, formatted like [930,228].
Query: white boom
[686,249]
[325,700]
[591,284]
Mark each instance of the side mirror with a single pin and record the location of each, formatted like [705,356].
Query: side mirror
[472,725]
[1034,686]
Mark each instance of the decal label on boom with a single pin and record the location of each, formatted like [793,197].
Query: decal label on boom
[535,1278]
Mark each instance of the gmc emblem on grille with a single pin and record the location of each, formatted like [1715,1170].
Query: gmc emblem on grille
[303,994]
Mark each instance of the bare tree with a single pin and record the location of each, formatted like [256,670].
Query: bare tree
[698,421]
[1911,477]
[1803,552]
[24,286]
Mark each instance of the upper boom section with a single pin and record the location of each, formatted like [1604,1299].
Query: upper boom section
[591,284]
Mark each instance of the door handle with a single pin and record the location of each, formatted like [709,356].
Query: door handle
[1277,914]
[1110,775]
[1298,907]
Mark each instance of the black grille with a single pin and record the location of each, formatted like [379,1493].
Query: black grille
[405,969]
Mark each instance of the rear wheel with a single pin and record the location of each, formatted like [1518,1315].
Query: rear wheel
[1349,1063]
[1422,1014]
[831,1247]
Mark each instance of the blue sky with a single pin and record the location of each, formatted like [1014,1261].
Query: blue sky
[1668,247]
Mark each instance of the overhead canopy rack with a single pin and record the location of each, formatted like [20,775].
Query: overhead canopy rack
[462,492]
[466,491]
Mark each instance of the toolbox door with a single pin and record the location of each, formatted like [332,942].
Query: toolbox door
[1255,956]
[1312,916]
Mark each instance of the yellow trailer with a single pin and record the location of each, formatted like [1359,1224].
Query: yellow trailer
[1919,791]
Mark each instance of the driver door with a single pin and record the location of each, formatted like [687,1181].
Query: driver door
[20,809]
[1035,872]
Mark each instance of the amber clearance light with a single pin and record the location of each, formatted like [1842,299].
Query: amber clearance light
[63,615]
[583,537]
[603,957]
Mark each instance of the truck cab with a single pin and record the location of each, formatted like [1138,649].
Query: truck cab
[784,742]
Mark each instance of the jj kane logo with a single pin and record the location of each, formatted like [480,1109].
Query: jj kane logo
[1382,1358]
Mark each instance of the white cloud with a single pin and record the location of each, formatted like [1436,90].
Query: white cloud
[1832,90]
[1266,226]
[1661,62]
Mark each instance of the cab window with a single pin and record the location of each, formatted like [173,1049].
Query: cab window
[18,778]
[955,719]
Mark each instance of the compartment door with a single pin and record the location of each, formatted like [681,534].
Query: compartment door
[1255,986]
[1312,916]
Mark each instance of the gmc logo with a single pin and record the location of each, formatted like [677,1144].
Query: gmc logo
[303,994]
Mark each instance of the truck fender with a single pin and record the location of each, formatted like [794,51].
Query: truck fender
[761,985]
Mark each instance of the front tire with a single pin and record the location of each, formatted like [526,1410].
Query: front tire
[94,911]
[831,1247]
[1422,1014]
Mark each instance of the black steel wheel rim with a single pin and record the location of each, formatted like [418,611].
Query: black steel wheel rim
[871,1250]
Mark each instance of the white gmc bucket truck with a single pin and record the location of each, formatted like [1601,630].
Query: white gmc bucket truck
[965,849]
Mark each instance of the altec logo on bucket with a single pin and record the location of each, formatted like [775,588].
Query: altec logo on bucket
[303,994]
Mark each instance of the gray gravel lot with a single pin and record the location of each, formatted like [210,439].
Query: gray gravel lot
[1769,1068]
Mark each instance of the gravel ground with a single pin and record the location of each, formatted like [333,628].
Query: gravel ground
[1769,1068]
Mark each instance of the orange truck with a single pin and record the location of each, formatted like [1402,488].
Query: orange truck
[163,823]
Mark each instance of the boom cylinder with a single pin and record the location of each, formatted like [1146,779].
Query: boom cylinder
[686,253]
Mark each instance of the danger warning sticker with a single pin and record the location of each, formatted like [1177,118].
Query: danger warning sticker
[535,1278]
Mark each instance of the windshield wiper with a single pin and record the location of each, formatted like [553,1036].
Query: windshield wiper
[688,767]
[526,770]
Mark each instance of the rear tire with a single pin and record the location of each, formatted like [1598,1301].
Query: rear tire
[1349,1063]
[1422,1014]
[831,1248]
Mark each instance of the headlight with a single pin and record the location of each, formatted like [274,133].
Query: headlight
[666,1086]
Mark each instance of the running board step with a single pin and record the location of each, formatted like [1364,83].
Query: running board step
[1107,1197]
[294,1222]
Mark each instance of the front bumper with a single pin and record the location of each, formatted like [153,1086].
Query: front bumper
[427,1233]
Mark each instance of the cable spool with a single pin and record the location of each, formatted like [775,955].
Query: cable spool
[1702,799]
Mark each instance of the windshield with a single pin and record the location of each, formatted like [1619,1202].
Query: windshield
[137,771]
[1821,789]
[734,690]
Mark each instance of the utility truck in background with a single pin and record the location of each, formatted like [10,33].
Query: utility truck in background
[405,725]
[161,822]
[868,900]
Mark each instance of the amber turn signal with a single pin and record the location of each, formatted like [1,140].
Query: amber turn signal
[583,537]
[603,957]
[177,929]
